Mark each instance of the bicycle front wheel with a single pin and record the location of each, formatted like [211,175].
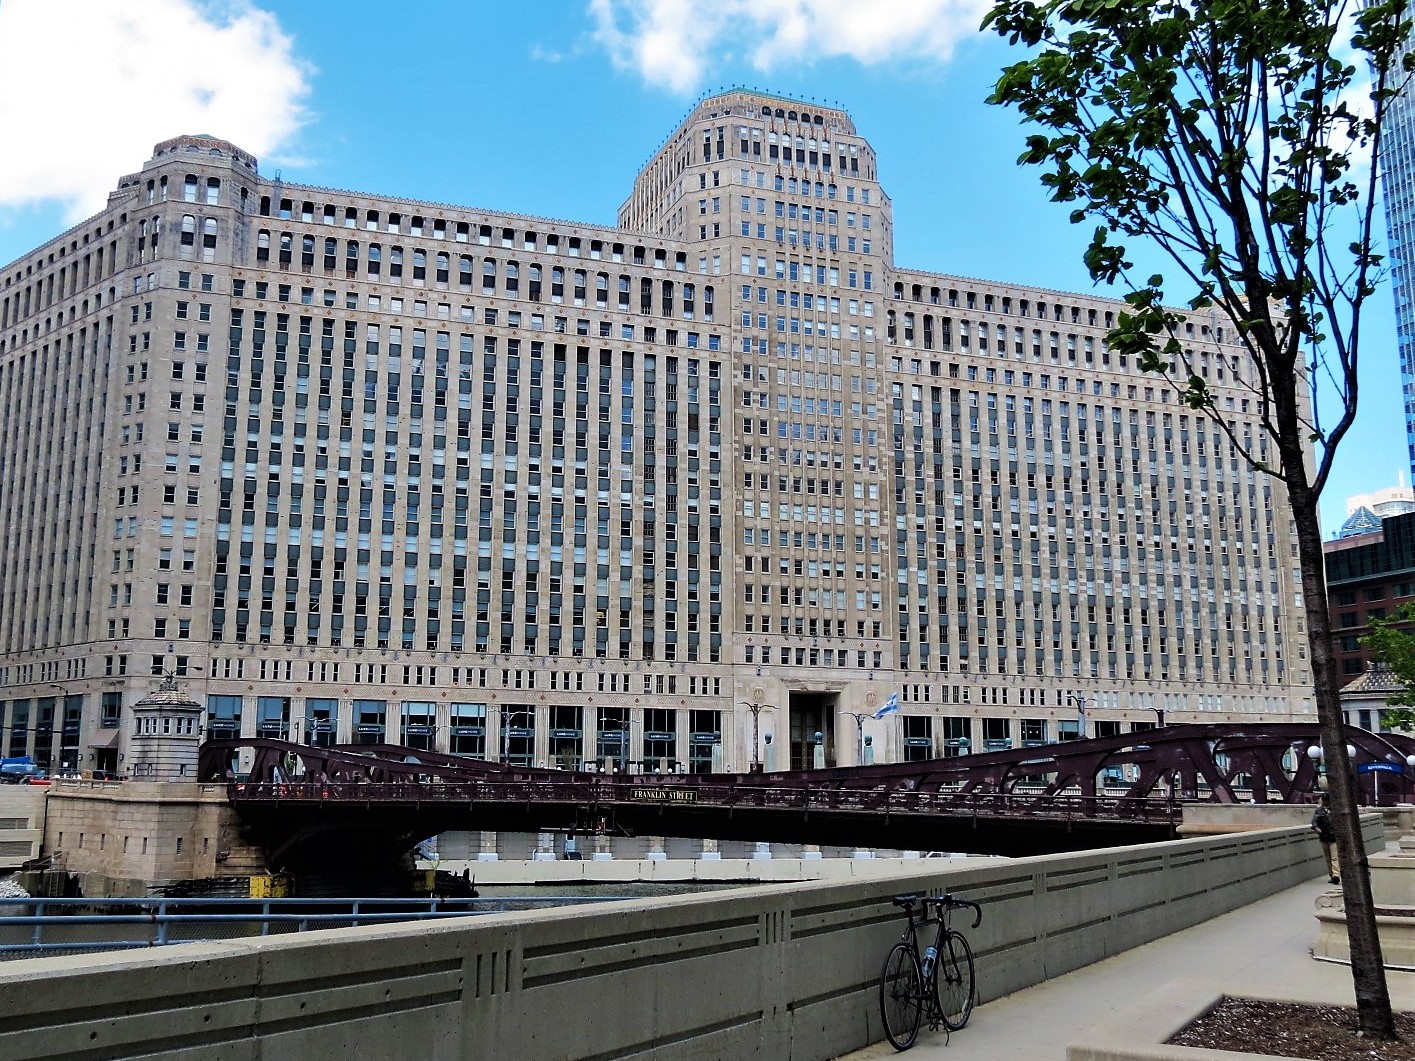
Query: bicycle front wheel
[953,983]
[901,996]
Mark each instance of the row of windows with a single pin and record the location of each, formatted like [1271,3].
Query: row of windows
[935,296]
[780,148]
[43,291]
[462,232]
[497,278]
[194,190]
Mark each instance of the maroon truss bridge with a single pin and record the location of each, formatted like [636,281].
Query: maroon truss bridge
[355,803]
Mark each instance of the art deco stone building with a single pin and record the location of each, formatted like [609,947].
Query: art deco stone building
[363,468]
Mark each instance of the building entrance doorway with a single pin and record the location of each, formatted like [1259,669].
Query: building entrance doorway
[812,717]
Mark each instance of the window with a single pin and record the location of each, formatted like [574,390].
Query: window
[918,738]
[223,716]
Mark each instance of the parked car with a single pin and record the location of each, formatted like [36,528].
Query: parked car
[20,770]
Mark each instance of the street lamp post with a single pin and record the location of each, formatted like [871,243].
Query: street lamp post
[756,710]
[1318,756]
[63,710]
[1080,703]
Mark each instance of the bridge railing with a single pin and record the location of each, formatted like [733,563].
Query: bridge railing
[1218,762]
[591,791]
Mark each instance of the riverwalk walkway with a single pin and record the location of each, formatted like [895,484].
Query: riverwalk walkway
[1262,951]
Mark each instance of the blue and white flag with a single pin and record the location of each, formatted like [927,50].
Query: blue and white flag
[890,707]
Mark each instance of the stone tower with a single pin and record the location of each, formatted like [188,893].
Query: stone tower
[166,735]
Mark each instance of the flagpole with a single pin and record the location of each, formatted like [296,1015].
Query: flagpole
[889,707]
[859,717]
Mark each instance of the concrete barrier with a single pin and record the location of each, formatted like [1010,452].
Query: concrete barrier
[1209,819]
[687,870]
[766,971]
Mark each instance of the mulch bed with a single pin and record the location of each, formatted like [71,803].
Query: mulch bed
[1287,1029]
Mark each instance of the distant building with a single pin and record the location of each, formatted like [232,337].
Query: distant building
[1369,575]
[362,468]
[1364,512]
[1398,187]
[1362,521]
[1365,696]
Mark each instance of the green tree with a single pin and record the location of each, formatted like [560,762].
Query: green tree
[1234,137]
[1393,643]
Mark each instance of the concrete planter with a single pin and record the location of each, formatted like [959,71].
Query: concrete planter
[1395,926]
[1180,1004]
[1393,889]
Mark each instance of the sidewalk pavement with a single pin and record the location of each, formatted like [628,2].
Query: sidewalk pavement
[1263,950]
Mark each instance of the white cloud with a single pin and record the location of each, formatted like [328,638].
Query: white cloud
[88,86]
[672,42]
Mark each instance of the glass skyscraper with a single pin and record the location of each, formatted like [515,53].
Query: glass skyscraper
[1398,183]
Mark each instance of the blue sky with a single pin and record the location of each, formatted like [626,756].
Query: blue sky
[548,109]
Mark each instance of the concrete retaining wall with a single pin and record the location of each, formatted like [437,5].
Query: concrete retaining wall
[768,971]
[132,837]
[21,823]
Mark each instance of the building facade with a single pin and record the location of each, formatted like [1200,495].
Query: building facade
[1369,576]
[1364,512]
[1398,188]
[701,489]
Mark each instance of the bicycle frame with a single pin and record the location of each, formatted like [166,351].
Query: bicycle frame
[910,982]
[928,957]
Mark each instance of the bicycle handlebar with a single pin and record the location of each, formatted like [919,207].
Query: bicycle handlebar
[943,902]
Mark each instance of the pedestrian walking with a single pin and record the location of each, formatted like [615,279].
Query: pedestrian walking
[1321,825]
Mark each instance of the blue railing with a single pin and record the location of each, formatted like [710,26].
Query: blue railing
[37,926]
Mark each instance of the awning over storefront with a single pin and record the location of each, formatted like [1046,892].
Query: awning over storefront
[104,738]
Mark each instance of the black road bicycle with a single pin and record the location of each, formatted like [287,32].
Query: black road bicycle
[939,981]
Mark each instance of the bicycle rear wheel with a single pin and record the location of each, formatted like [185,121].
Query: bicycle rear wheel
[953,983]
[901,996]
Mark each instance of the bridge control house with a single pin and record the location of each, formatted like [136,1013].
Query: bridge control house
[698,491]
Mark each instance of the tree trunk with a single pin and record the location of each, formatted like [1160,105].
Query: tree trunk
[1367,966]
